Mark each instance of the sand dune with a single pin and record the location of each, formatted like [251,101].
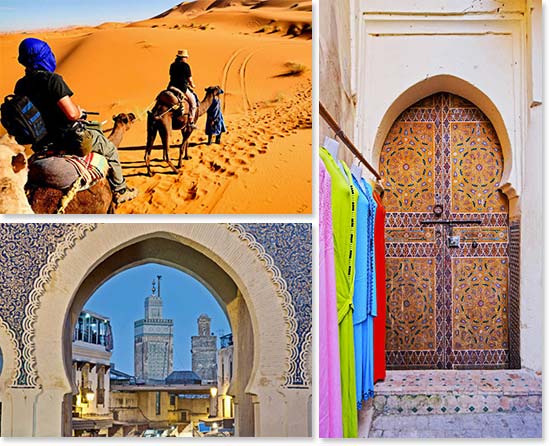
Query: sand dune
[265,73]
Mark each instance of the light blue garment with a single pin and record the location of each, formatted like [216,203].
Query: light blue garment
[365,303]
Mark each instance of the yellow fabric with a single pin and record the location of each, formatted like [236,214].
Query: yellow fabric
[344,199]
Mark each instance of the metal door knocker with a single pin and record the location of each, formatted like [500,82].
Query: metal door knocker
[437,210]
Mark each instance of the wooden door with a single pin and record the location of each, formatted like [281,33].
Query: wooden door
[447,298]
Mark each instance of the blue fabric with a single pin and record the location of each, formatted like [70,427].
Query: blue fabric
[35,54]
[372,284]
[365,303]
[215,120]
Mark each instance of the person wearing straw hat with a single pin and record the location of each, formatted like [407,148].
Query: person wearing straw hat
[180,77]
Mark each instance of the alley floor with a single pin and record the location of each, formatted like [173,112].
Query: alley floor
[455,404]
[475,425]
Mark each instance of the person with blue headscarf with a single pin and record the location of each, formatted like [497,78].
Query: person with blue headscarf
[52,97]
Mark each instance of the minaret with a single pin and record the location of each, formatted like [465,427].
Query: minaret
[204,352]
[153,339]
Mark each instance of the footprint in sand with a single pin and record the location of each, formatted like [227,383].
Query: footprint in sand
[251,155]
[192,192]
[214,166]
[262,151]
[241,161]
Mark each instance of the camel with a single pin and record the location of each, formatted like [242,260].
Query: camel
[98,199]
[162,119]
[13,176]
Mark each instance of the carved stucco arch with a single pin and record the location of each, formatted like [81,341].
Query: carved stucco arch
[10,359]
[244,260]
[460,87]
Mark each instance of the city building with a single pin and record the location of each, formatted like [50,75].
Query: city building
[153,340]
[171,405]
[92,346]
[225,375]
[203,351]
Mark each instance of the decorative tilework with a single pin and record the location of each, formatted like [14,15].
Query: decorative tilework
[514,294]
[410,304]
[480,235]
[466,160]
[289,246]
[407,165]
[398,235]
[458,391]
[30,252]
[477,167]
[479,303]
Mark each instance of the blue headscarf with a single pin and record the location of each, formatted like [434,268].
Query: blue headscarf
[35,54]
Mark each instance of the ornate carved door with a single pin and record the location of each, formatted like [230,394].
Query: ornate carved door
[447,281]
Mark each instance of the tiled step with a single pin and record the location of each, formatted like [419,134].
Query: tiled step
[422,392]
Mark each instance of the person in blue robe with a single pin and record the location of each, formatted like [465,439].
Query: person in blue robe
[215,122]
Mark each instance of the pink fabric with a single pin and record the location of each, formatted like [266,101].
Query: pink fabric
[330,401]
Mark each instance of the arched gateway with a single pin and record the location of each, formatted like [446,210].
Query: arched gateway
[447,238]
[262,283]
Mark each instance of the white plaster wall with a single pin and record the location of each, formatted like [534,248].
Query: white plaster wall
[532,258]
[397,53]
[335,55]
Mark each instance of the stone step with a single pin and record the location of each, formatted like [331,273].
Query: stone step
[422,392]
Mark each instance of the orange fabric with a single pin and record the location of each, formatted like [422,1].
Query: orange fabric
[379,322]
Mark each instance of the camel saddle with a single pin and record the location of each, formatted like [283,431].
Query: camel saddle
[174,97]
[62,171]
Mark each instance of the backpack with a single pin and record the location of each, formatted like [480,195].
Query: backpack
[22,119]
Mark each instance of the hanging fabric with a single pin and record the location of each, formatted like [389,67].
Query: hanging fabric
[343,203]
[365,304]
[330,402]
[379,324]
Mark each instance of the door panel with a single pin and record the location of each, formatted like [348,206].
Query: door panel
[447,306]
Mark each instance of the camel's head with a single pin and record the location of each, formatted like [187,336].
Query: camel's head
[124,119]
[215,91]
[13,161]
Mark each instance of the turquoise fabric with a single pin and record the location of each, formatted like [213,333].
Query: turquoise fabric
[365,304]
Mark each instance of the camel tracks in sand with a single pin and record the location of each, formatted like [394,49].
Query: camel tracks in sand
[242,72]
[225,72]
[234,81]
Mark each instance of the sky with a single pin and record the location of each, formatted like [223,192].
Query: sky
[184,298]
[18,15]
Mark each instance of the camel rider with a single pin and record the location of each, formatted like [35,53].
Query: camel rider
[180,77]
[52,97]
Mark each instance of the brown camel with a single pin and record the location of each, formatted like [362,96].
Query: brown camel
[98,199]
[166,116]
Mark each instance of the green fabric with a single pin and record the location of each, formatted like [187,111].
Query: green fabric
[344,200]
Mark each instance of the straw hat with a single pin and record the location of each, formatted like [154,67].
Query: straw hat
[182,53]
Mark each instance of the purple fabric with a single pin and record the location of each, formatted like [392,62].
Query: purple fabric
[53,171]
[35,54]
[330,399]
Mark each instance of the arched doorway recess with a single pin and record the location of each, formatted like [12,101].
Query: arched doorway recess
[447,234]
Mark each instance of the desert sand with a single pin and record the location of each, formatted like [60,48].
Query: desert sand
[259,52]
